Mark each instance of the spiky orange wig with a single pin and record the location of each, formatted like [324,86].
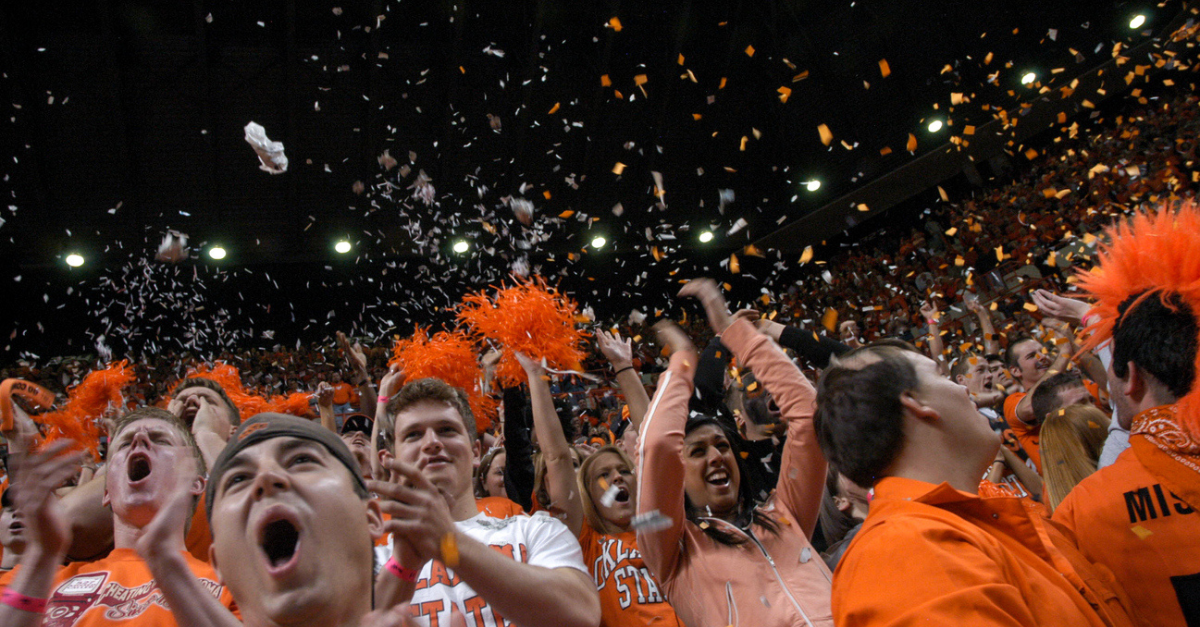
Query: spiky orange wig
[529,317]
[449,356]
[1153,255]
[248,403]
[79,418]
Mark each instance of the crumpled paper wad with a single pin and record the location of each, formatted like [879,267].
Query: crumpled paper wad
[269,153]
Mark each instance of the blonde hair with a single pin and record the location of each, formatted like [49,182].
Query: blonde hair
[590,513]
[1071,441]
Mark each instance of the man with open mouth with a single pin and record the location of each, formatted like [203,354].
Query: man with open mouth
[154,479]
[446,555]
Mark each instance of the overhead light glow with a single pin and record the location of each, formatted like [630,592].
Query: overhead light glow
[216,252]
[1028,78]
[935,126]
[813,185]
[342,247]
[74,260]
[598,242]
[1137,22]
[706,237]
[461,246]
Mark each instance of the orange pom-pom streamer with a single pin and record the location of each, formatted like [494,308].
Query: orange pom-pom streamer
[449,356]
[529,317]
[1150,256]
[79,419]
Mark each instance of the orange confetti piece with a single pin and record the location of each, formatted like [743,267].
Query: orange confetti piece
[1030,307]
[734,266]
[826,134]
[554,109]
[885,151]
[999,253]
[722,85]
[749,51]
[618,169]
[830,319]
[615,24]
[640,79]
[807,255]
[884,68]
[911,146]
[969,129]
[1031,154]
[951,231]
[696,116]
[546,194]
[605,81]
[680,60]
[943,194]
[862,206]
[784,93]
[566,214]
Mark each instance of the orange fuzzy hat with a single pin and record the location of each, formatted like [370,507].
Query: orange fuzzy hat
[529,317]
[79,419]
[1152,255]
[248,403]
[449,356]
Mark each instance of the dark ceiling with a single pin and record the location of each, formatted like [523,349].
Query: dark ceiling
[126,120]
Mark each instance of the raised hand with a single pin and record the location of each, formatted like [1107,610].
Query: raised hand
[164,536]
[419,513]
[324,395]
[673,337]
[1068,309]
[619,353]
[355,357]
[35,478]
[709,294]
[929,311]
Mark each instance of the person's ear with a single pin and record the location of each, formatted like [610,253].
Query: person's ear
[843,504]
[198,486]
[477,447]
[1134,385]
[104,500]
[916,407]
[374,519]
[961,379]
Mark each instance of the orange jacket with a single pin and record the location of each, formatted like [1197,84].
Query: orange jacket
[772,580]
[1138,517]
[931,555]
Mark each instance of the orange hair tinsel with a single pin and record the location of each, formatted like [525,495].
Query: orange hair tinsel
[248,403]
[79,419]
[449,356]
[1154,254]
[529,317]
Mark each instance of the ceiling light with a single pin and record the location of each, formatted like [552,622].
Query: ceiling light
[74,260]
[461,246]
[1137,22]
[706,237]
[342,247]
[813,185]
[935,126]
[1028,78]
[216,252]
[598,242]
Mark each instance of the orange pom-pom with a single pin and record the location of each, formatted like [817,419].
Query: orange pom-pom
[449,356]
[79,419]
[529,317]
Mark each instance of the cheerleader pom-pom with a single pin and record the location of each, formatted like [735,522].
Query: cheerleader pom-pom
[449,356]
[87,403]
[529,317]
[248,403]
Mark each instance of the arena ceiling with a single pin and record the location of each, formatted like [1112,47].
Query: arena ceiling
[645,123]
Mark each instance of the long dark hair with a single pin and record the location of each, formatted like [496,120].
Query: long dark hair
[748,513]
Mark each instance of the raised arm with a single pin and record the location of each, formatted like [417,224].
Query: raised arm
[356,358]
[991,345]
[325,406]
[556,450]
[660,458]
[620,357]
[937,349]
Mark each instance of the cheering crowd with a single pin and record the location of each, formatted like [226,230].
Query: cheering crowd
[978,421]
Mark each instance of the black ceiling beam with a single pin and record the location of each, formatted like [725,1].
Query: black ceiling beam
[946,161]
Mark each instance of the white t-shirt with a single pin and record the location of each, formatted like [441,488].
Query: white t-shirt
[539,540]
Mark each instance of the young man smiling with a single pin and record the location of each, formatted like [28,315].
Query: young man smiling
[446,555]
[154,467]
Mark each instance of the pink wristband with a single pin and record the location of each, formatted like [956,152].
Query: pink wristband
[383,399]
[16,600]
[392,567]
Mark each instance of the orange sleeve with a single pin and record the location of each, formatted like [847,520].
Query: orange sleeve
[941,577]
[660,466]
[802,468]
[1010,412]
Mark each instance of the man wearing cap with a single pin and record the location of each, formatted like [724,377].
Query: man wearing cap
[155,468]
[446,555]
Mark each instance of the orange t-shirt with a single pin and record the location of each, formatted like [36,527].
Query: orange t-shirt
[931,554]
[1027,435]
[344,393]
[498,507]
[1138,517]
[119,590]
[199,536]
[629,594]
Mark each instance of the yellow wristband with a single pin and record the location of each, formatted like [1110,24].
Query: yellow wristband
[449,550]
